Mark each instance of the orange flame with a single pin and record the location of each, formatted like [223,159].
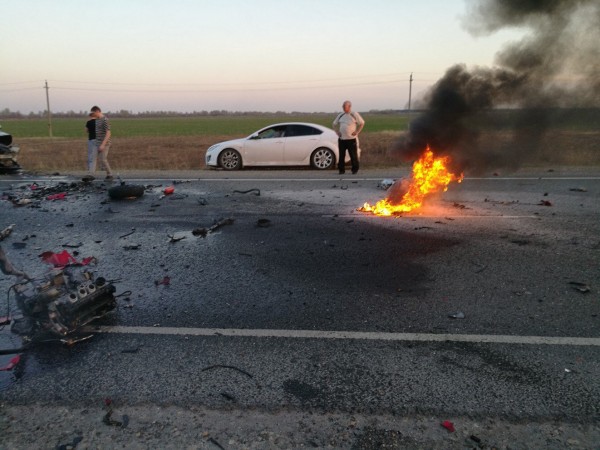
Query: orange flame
[429,175]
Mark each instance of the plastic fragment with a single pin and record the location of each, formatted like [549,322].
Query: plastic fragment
[63,259]
[11,364]
[59,196]
[448,426]
[165,281]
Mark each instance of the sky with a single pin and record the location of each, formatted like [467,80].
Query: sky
[235,55]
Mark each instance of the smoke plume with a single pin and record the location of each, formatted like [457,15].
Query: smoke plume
[555,66]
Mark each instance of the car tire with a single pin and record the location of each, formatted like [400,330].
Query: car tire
[124,191]
[322,159]
[230,159]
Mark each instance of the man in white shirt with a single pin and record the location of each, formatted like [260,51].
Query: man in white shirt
[348,125]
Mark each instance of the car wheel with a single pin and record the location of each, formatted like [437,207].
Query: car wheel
[322,158]
[124,191]
[230,159]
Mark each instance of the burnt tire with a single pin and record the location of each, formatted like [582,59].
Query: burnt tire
[322,159]
[230,159]
[124,191]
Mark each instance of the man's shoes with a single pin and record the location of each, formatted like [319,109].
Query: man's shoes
[354,172]
[342,173]
[109,178]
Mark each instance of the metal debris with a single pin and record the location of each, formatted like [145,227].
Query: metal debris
[263,223]
[205,231]
[254,191]
[127,234]
[580,287]
[6,232]
[385,184]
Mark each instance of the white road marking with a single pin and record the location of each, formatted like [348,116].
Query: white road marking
[351,335]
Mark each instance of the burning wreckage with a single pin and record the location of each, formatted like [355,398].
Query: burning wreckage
[60,302]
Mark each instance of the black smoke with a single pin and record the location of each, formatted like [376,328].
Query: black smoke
[555,67]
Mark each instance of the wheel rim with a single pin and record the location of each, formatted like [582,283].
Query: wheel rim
[323,159]
[230,159]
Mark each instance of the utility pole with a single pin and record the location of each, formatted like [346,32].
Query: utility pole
[410,80]
[48,109]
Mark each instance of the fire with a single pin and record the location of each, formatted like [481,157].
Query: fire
[429,175]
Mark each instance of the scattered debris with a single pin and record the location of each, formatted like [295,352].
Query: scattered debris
[475,439]
[108,420]
[125,191]
[520,241]
[64,258]
[480,267]
[59,196]
[227,396]
[172,238]
[34,193]
[8,154]
[66,298]
[545,203]
[204,231]
[8,269]
[132,247]
[11,364]
[580,287]
[254,191]
[166,281]
[263,223]
[130,350]
[459,206]
[385,184]
[214,442]
[457,315]
[127,234]
[79,244]
[6,232]
[448,426]
[202,201]
[169,190]
[579,189]
[70,445]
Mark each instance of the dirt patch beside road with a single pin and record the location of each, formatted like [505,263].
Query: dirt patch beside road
[187,152]
[175,427]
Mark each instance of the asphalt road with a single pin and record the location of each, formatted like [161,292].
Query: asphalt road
[303,304]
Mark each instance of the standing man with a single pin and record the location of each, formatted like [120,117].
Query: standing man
[102,139]
[92,153]
[348,125]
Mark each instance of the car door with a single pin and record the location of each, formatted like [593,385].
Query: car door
[300,142]
[266,147]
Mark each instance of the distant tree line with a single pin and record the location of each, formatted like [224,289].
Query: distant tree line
[6,113]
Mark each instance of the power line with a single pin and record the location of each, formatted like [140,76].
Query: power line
[257,83]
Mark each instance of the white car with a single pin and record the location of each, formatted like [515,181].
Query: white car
[282,144]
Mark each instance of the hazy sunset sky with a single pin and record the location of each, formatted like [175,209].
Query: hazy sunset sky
[259,55]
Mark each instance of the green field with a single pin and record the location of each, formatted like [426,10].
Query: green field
[188,126]
[577,120]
